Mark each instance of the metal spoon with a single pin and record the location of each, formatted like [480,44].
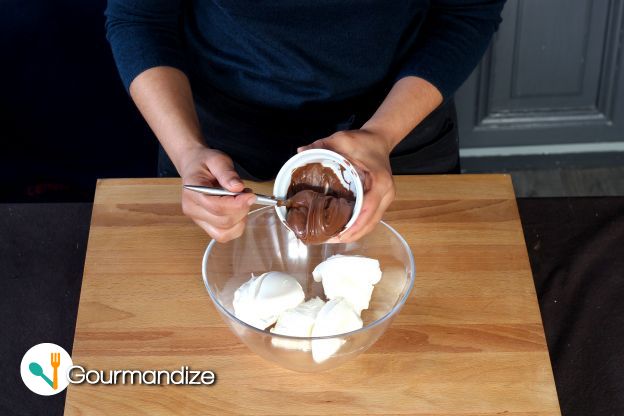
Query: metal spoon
[260,199]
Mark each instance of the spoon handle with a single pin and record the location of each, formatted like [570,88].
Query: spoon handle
[260,199]
[40,374]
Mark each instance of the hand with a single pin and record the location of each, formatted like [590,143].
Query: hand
[223,217]
[369,152]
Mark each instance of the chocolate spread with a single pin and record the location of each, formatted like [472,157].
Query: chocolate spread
[319,204]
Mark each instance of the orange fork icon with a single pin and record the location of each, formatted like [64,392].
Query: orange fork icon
[55,361]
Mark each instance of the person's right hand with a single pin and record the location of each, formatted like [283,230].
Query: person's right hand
[223,217]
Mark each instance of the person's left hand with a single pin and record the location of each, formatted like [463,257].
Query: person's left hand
[369,152]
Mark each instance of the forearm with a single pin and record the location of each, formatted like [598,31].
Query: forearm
[451,41]
[163,96]
[410,100]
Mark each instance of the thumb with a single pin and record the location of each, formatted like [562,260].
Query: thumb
[222,167]
[319,144]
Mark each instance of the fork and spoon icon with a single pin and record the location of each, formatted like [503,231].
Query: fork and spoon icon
[55,361]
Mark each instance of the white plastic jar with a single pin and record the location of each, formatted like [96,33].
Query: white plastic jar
[343,169]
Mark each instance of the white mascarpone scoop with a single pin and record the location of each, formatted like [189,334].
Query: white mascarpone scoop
[260,300]
[349,277]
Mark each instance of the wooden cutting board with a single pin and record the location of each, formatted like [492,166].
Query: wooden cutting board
[469,341]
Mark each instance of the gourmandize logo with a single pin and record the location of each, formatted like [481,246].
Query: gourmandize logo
[47,369]
[44,369]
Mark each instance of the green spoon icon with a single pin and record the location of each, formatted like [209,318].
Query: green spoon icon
[38,371]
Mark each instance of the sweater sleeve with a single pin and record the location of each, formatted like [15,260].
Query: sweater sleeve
[454,37]
[144,34]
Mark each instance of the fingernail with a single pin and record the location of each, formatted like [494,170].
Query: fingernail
[251,201]
[235,182]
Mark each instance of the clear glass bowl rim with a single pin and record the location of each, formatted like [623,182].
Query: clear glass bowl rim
[373,324]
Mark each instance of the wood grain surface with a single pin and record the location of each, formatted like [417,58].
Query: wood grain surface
[469,341]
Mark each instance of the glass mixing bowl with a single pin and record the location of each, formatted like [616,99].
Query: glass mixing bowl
[267,245]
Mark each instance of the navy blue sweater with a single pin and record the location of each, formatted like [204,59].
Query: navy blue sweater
[289,54]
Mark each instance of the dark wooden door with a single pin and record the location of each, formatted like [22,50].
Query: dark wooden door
[552,81]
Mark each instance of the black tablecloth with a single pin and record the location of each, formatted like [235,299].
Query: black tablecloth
[576,247]
[42,251]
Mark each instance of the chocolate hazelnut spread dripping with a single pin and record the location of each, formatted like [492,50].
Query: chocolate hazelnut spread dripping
[320,206]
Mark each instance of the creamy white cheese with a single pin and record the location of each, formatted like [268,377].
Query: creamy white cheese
[335,317]
[349,277]
[297,322]
[260,300]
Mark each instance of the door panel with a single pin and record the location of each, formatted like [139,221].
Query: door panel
[552,75]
